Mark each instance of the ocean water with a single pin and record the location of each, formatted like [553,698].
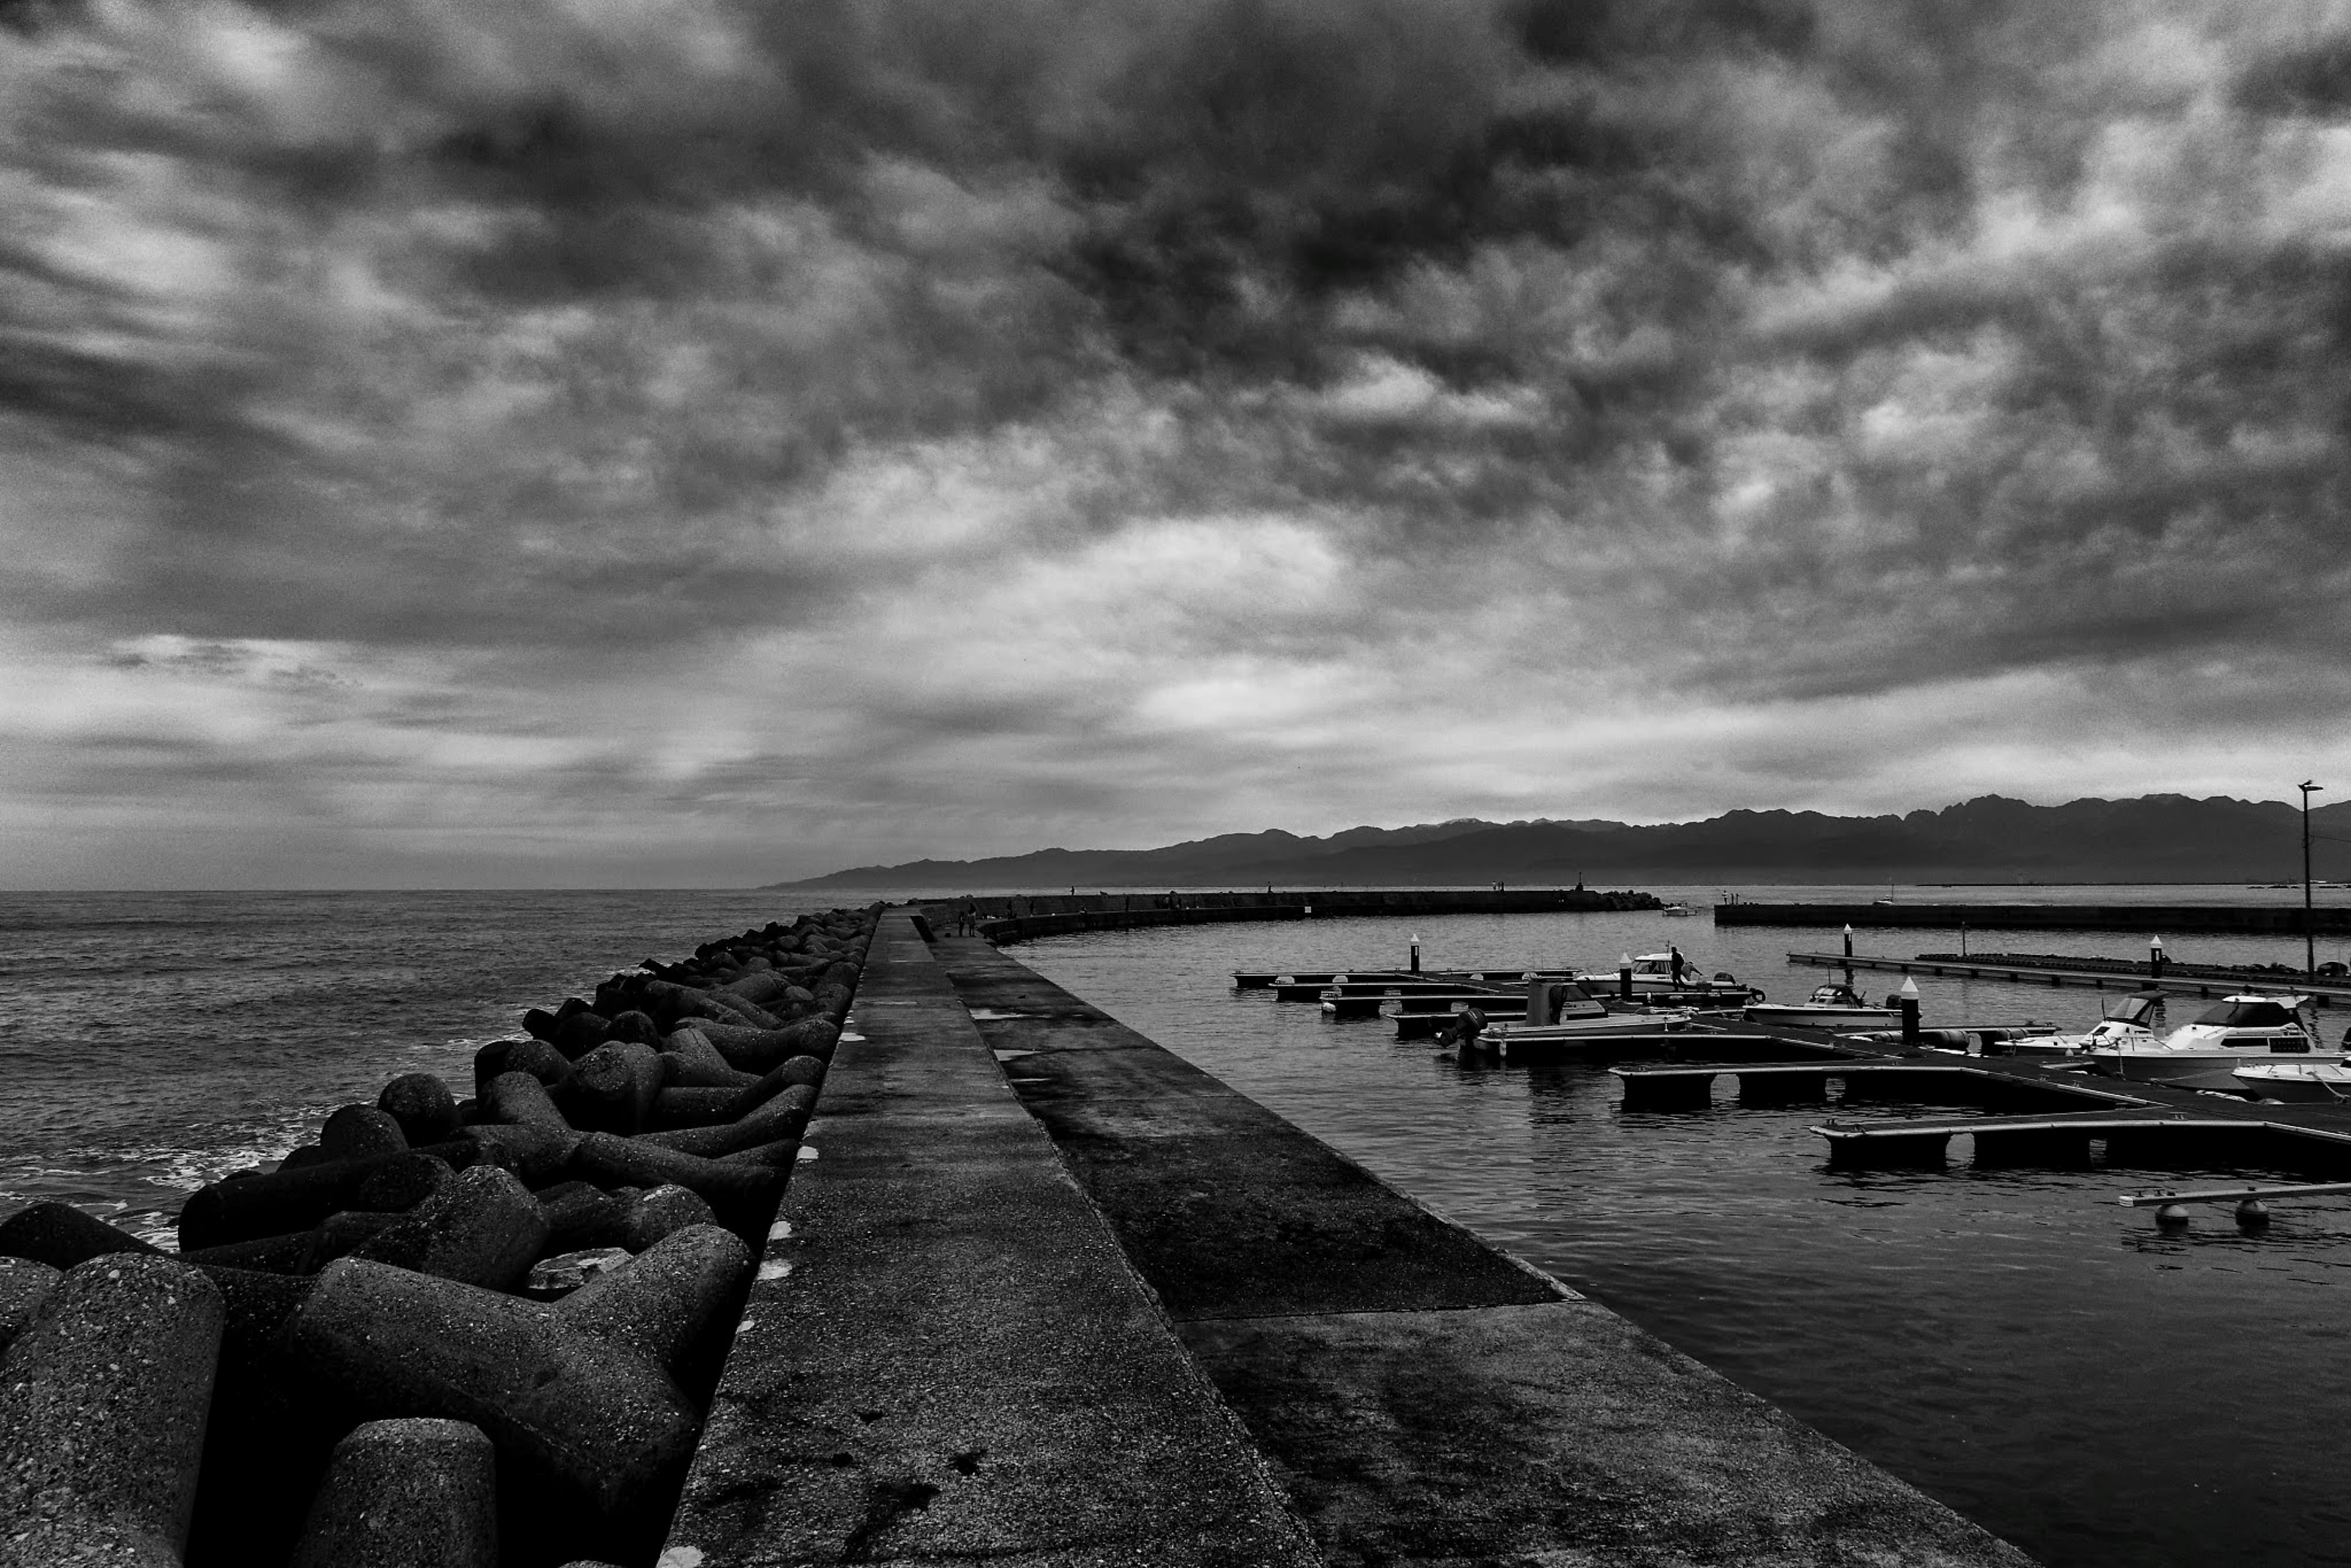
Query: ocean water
[2013,1341]
[151,1042]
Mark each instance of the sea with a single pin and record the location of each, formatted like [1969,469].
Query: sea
[2013,1341]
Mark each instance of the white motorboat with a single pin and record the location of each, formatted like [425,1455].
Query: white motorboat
[2126,1022]
[1831,1007]
[2319,1082]
[2237,1030]
[1558,1012]
[1669,977]
[1677,911]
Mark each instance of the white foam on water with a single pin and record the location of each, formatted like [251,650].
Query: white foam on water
[990,1015]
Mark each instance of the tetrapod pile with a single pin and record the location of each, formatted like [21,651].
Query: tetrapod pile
[465,1332]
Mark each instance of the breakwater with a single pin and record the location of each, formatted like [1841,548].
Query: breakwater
[2267,920]
[1417,1395]
[471,1331]
[1020,917]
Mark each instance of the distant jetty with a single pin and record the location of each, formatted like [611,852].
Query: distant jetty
[2247,919]
[1020,916]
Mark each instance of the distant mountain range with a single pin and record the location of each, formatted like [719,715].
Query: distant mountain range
[2156,838]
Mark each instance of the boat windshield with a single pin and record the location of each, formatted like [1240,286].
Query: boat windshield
[2248,1013]
[1835,997]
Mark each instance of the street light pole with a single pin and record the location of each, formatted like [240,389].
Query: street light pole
[2309,938]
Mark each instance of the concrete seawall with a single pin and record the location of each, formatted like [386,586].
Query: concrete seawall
[1021,917]
[1048,1295]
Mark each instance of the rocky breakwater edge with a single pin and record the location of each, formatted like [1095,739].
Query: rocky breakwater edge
[473,1332]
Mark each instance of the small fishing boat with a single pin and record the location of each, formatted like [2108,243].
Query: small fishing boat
[2238,1030]
[1560,1012]
[2296,1082]
[1677,911]
[1669,978]
[2126,1022]
[1830,1007]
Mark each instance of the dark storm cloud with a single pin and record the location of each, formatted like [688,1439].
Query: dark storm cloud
[1010,409]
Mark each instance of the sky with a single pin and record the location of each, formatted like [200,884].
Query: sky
[683,442]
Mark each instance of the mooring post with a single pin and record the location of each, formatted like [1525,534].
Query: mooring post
[2154,957]
[1624,977]
[1908,998]
[1416,952]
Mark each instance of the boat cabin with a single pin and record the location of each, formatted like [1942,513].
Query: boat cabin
[1835,996]
[2249,1012]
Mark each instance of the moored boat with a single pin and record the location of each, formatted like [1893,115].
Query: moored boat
[2319,1082]
[1562,1012]
[1668,978]
[1830,1007]
[2239,1030]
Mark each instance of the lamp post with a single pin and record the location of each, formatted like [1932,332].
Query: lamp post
[2309,938]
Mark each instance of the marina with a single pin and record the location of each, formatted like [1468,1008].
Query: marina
[1976,1283]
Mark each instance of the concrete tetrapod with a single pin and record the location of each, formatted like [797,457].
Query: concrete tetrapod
[783,1117]
[422,1105]
[355,1132]
[243,1208]
[536,1057]
[484,1228]
[518,1098]
[401,1184]
[24,1286]
[666,1300]
[413,1493]
[612,1088]
[661,1213]
[756,1050]
[694,1107]
[61,1236]
[103,1407]
[694,1062]
[590,1437]
[791,1073]
[536,1153]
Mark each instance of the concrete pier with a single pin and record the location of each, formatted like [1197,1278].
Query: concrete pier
[1425,1397]
[945,1357]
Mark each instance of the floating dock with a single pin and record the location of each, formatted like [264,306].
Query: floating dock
[1886,1078]
[2325,993]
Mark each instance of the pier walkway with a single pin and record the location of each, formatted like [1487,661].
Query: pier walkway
[1051,1295]
[1425,1397]
[946,1358]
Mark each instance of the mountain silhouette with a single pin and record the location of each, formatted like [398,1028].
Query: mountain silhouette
[1990,839]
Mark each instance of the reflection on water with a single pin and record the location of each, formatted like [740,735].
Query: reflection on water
[2013,1341]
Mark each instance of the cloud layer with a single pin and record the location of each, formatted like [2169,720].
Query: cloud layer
[595,442]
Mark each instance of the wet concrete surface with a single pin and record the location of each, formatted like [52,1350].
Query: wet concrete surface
[1423,1398]
[947,1358]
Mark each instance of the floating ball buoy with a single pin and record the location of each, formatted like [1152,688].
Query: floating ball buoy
[2252,1213]
[2172,1216]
